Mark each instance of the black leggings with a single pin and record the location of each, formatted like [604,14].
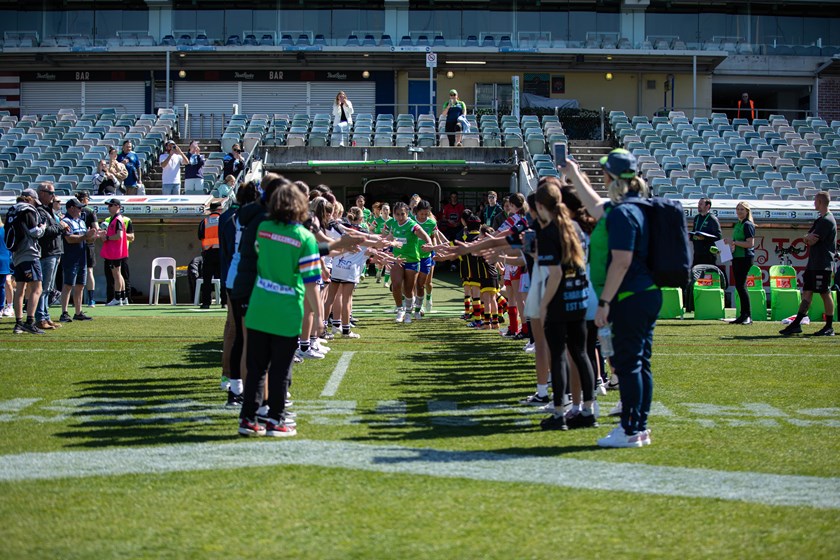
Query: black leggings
[238,313]
[274,353]
[740,267]
[451,128]
[557,334]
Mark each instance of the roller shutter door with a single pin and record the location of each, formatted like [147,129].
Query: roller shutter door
[125,97]
[40,98]
[273,97]
[211,105]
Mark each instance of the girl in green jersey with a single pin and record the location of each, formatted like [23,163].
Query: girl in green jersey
[407,237]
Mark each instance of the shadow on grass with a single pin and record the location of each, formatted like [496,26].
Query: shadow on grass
[152,410]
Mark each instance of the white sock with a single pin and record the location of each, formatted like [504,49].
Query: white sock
[236,386]
[542,389]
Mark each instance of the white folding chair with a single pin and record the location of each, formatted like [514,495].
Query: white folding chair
[161,276]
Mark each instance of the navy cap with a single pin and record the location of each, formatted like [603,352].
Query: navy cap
[620,163]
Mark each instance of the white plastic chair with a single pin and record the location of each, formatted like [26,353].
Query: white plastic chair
[217,286]
[163,279]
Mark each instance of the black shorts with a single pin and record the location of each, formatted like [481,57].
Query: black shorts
[112,264]
[29,271]
[91,255]
[490,284]
[817,281]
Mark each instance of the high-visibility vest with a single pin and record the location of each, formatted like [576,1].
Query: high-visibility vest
[211,232]
[752,109]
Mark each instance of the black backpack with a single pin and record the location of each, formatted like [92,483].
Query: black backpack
[14,228]
[668,253]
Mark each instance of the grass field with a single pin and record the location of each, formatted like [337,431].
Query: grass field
[114,442]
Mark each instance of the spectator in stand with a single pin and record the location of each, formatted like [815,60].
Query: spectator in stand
[5,275]
[171,161]
[453,110]
[450,217]
[109,176]
[92,225]
[208,234]
[51,251]
[74,261]
[26,259]
[342,111]
[194,170]
[115,250]
[822,240]
[748,107]
[492,211]
[234,162]
[133,182]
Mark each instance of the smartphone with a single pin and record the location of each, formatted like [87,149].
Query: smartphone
[560,154]
[529,243]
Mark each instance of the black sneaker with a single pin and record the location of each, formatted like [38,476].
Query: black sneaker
[233,399]
[32,328]
[554,423]
[536,400]
[65,318]
[793,328]
[825,331]
[581,421]
[18,328]
[82,317]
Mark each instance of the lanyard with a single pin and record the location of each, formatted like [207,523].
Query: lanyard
[700,227]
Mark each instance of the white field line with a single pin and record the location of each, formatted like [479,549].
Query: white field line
[769,489]
[334,381]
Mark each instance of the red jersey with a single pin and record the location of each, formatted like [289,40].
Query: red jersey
[451,214]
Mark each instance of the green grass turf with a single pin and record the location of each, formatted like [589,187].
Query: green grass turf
[147,376]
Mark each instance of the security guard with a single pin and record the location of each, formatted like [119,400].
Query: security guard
[208,233]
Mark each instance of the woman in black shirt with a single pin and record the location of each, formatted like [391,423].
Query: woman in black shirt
[564,304]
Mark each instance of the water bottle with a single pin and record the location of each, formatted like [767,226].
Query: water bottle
[605,338]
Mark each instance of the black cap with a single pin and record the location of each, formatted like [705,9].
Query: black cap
[73,203]
[111,201]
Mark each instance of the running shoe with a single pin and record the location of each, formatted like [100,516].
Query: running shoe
[274,428]
[617,438]
[321,348]
[536,400]
[530,348]
[428,305]
[233,399]
[616,410]
[65,318]
[580,421]
[250,428]
[124,301]
[313,354]
[825,331]
[646,437]
[474,324]
[549,407]
[612,384]
[554,422]
[32,328]
[114,303]
[351,334]
[400,315]
[387,284]
[793,328]
[600,387]
[407,318]
[18,328]
[8,311]
[82,317]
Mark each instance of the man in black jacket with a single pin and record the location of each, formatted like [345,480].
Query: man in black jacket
[704,233]
[52,248]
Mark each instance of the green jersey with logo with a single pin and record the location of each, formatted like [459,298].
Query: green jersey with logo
[378,224]
[410,250]
[287,259]
[429,226]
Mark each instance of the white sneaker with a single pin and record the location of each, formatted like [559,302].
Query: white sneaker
[298,354]
[351,334]
[321,348]
[428,305]
[547,407]
[313,354]
[401,315]
[530,348]
[407,318]
[297,359]
[418,315]
[387,284]
[617,438]
[124,301]
[114,302]
[616,410]
[646,437]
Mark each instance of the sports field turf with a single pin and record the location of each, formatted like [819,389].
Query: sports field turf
[114,442]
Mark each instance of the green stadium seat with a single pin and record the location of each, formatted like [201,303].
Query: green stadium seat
[757,295]
[708,296]
[672,304]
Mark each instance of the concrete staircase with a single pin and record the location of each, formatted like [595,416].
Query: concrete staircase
[588,153]
[153,181]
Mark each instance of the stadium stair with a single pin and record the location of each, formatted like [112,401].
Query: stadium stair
[152,181]
[588,153]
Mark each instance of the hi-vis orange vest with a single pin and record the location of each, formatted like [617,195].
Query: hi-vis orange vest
[752,109]
[211,232]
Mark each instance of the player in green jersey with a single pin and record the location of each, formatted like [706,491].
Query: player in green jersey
[407,237]
[426,221]
[382,213]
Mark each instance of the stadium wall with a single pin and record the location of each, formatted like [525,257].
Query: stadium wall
[829,98]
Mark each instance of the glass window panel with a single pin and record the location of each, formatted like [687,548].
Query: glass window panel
[431,21]
[789,30]
[264,20]
[815,29]
[80,21]
[685,26]
[211,22]
[237,21]
[580,23]
[606,22]
[345,22]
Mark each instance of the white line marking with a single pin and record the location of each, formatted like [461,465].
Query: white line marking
[337,375]
[770,489]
